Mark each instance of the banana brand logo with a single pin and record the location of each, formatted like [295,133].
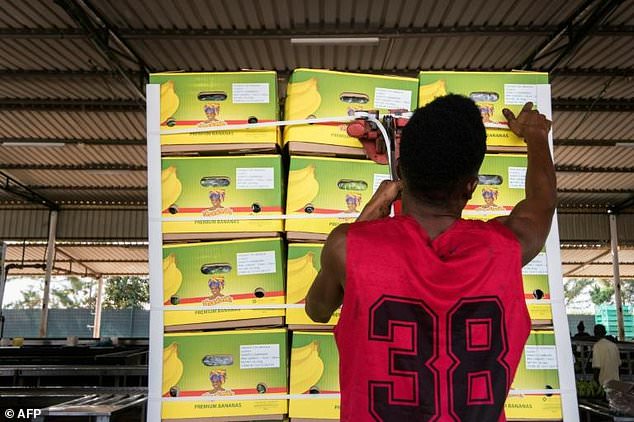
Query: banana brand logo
[212,114]
[306,368]
[302,271]
[169,101]
[216,285]
[302,99]
[216,197]
[171,187]
[427,93]
[303,188]
[172,277]
[172,369]
[218,377]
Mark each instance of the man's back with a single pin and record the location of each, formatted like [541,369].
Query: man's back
[430,327]
[606,357]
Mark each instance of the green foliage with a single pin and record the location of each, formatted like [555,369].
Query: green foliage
[126,292]
[603,292]
[77,294]
[574,287]
[31,299]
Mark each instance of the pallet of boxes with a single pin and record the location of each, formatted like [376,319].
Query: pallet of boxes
[329,182]
[536,391]
[222,337]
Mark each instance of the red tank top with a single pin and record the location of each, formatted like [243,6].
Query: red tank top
[430,330]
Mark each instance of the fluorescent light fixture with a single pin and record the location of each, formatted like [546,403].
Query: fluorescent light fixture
[335,41]
[34,144]
[108,172]
[625,144]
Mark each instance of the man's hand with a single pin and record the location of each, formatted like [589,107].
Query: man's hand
[529,124]
[381,202]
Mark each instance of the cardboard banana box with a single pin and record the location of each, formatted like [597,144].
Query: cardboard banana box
[315,93]
[221,189]
[492,92]
[536,290]
[301,270]
[318,186]
[211,100]
[538,366]
[216,274]
[500,186]
[201,369]
[533,407]
[314,371]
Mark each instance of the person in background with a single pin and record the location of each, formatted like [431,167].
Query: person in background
[581,332]
[606,358]
[434,318]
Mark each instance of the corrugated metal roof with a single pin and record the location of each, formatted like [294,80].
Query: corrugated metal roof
[70,178]
[581,156]
[72,124]
[595,181]
[603,271]
[593,125]
[74,155]
[581,256]
[80,86]
[592,86]
[599,199]
[625,256]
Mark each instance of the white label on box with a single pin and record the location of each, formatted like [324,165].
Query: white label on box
[540,357]
[392,99]
[538,266]
[255,356]
[517,177]
[256,262]
[250,93]
[378,178]
[516,94]
[255,178]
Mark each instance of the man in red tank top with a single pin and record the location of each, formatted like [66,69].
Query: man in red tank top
[434,320]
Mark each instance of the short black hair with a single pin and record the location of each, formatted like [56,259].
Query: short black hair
[599,330]
[442,146]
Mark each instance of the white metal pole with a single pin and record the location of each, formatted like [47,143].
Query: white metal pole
[50,257]
[614,243]
[155,251]
[96,328]
[3,282]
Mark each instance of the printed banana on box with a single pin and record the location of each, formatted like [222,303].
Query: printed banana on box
[240,272]
[318,185]
[203,365]
[538,368]
[314,370]
[221,188]
[313,93]
[500,186]
[302,267]
[492,92]
[203,100]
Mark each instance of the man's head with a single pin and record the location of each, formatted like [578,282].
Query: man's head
[599,330]
[442,148]
[581,327]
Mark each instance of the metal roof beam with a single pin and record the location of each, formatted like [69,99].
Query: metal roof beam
[96,168]
[581,169]
[96,142]
[320,31]
[590,142]
[559,104]
[104,37]
[572,33]
[72,104]
[616,191]
[11,185]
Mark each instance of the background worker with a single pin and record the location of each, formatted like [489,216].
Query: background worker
[434,319]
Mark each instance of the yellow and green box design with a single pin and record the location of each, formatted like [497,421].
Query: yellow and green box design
[313,93]
[318,185]
[239,272]
[221,187]
[536,287]
[500,186]
[314,371]
[535,407]
[301,270]
[202,365]
[199,100]
[491,91]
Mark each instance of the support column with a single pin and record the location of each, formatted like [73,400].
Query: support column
[3,282]
[50,257]
[96,328]
[614,243]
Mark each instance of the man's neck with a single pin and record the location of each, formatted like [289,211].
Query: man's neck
[433,218]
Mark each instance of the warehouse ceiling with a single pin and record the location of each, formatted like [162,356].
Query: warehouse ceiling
[73,72]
